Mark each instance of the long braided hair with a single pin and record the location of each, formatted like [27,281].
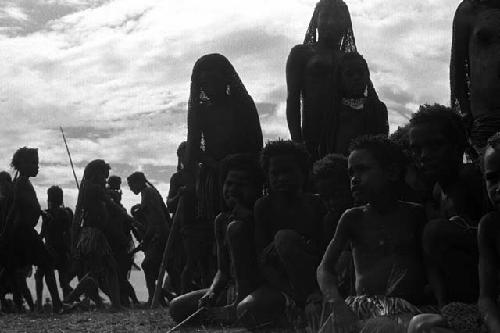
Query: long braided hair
[372,104]
[243,102]
[347,42]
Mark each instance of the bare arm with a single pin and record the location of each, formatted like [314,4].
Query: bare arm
[488,270]
[326,274]
[262,239]
[294,74]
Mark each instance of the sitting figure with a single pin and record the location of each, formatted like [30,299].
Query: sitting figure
[385,236]
[288,236]
[237,274]
[437,141]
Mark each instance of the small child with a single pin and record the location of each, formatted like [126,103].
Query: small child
[437,141]
[385,236]
[234,229]
[288,235]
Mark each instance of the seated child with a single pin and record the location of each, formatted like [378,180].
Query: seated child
[333,185]
[385,235]
[468,317]
[288,235]
[237,272]
[437,141]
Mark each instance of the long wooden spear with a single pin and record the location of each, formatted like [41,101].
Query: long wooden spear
[70,160]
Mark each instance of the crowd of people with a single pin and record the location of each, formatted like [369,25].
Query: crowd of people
[343,228]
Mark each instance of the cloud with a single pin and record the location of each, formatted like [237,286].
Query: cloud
[116,73]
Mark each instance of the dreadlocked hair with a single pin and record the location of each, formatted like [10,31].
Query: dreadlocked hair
[248,163]
[386,152]
[347,41]
[243,102]
[55,195]
[448,120]
[285,148]
[332,166]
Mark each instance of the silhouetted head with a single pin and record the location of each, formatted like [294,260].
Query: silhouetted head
[376,167]
[286,165]
[213,75]
[136,182]
[331,180]
[353,75]
[97,171]
[437,141]
[25,160]
[331,20]
[55,196]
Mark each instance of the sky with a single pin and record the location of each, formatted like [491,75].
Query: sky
[115,74]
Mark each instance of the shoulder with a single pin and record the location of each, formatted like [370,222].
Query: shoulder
[299,53]
[262,205]
[489,224]
[221,219]
[353,214]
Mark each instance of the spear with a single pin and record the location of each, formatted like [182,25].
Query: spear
[70,160]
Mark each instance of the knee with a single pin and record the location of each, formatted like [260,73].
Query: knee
[286,242]
[178,309]
[425,322]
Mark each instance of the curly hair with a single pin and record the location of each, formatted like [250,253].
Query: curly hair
[448,120]
[55,195]
[332,166]
[494,141]
[384,151]
[114,182]
[288,148]
[347,42]
[248,163]
[23,155]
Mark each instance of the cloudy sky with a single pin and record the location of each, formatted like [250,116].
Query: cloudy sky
[115,73]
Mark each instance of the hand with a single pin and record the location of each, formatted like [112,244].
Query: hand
[208,300]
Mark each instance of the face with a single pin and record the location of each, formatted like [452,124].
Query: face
[369,179]
[285,174]
[134,186]
[433,154]
[212,83]
[334,194]
[331,24]
[492,175]
[30,166]
[354,76]
[239,188]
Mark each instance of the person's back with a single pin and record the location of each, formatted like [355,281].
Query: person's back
[56,227]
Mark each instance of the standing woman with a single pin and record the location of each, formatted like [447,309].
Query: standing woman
[309,72]
[24,245]
[222,120]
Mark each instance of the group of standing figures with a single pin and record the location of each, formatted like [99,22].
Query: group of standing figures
[343,228]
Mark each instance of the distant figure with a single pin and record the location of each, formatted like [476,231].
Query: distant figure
[6,188]
[24,245]
[90,245]
[158,224]
[475,67]
[222,120]
[56,230]
[356,110]
[118,233]
[310,73]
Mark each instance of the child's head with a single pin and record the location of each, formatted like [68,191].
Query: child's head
[437,141]
[353,75]
[136,182]
[114,188]
[286,165]
[332,181]
[492,169]
[376,167]
[242,180]
[54,196]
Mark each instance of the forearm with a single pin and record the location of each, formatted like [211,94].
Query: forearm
[328,284]
[219,283]
[293,118]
